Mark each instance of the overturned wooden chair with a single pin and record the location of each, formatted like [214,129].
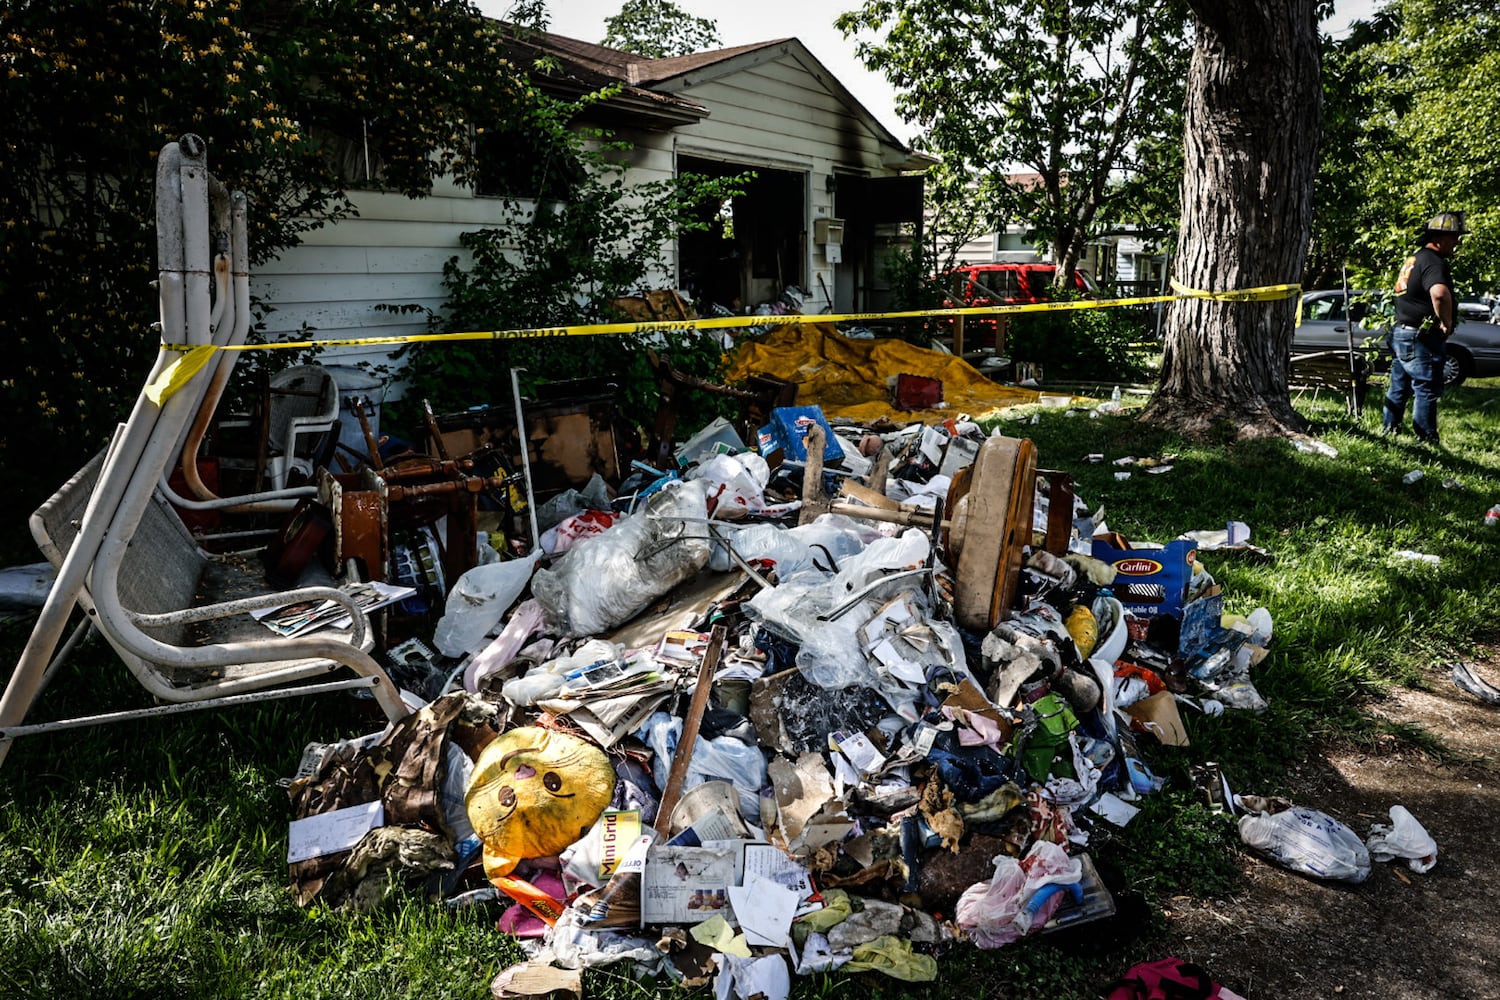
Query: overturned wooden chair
[120,550]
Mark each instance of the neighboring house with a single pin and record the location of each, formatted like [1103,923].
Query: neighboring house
[834,192]
[1122,262]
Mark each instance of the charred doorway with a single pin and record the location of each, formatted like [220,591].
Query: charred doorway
[754,245]
[881,215]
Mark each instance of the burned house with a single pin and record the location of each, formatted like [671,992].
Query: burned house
[834,191]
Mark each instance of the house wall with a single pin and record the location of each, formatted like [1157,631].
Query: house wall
[778,112]
[392,253]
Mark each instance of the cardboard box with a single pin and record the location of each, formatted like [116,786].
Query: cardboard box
[1150,581]
[787,432]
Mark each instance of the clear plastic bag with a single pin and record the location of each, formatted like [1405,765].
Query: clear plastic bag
[830,538]
[830,654]
[477,601]
[605,581]
[1308,841]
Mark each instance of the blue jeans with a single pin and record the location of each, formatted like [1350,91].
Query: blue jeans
[1416,374]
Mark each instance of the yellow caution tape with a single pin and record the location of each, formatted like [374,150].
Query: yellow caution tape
[180,372]
[1266,293]
[196,356]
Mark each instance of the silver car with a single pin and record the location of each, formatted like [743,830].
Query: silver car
[1473,350]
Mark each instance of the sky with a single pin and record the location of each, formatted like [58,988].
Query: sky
[811,21]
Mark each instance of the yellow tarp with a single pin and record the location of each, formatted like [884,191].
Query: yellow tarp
[847,378]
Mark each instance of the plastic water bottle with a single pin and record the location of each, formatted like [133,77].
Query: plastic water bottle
[1114,397]
[1412,476]
[1492,516]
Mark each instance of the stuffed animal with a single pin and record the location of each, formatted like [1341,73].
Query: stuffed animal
[533,792]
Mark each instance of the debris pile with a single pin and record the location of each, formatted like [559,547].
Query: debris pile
[837,702]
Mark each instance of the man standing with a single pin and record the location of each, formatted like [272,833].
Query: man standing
[1425,315]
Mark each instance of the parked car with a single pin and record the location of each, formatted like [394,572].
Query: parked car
[1474,308]
[1473,350]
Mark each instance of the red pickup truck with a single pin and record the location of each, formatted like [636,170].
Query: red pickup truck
[1004,283]
[1001,283]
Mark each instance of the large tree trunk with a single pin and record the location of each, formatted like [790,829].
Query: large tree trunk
[1251,139]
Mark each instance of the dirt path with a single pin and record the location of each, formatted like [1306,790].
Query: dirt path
[1399,935]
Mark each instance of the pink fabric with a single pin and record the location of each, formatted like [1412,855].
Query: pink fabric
[521,922]
[990,913]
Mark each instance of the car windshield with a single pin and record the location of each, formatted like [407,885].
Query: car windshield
[1331,307]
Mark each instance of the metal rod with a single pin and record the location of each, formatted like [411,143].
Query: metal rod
[15,732]
[515,388]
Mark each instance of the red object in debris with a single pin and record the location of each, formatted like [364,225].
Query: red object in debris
[197,521]
[918,392]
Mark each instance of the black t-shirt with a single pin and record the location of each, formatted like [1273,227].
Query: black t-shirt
[1421,271]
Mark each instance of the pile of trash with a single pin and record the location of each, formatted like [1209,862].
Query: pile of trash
[765,715]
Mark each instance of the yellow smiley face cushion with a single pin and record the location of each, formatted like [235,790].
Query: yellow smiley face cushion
[533,792]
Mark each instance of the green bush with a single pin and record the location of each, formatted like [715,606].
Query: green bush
[554,264]
[1083,344]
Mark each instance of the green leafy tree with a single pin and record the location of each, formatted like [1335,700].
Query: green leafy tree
[1356,141]
[1424,82]
[297,101]
[659,29]
[1083,95]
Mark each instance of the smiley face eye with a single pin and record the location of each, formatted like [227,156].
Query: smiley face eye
[552,781]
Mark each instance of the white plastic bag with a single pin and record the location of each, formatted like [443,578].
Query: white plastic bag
[723,759]
[1307,841]
[477,601]
[733,485]
[1404,838]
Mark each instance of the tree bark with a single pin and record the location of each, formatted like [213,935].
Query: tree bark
[1253,117]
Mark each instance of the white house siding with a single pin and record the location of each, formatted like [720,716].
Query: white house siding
[393,253]
[777,112]
[780,113]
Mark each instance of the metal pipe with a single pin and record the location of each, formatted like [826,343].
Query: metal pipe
[515,389]
[156,711]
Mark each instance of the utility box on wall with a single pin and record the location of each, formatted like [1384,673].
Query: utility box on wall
[829,232]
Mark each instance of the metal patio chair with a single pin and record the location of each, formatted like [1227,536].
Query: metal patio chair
[111,534]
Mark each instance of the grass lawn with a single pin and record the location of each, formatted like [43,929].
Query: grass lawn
[147,859]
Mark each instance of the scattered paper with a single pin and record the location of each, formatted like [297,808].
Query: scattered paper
[1158,715]
[1114,809]
[686,885]
[302,617]
[330,832]
[536,979]
[716,933]
[770,863]
[764,910]
[766,978]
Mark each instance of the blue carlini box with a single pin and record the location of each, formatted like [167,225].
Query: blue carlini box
[788,429]
[1150,581]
